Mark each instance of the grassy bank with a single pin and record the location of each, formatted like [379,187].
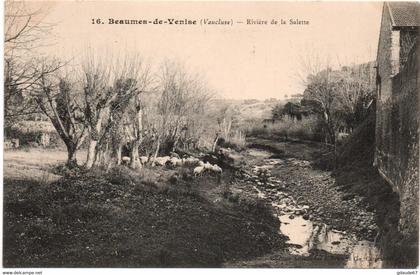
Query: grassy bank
[155,218]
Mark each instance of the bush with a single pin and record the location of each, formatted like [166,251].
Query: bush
[146,176]
[122,175]
[235,140]
[308,128]
[29,133]
[64,170]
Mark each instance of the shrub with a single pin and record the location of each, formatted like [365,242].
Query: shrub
[308,128]
[236,140]
[122,175]
[147,177]
[64,170]
[29,133]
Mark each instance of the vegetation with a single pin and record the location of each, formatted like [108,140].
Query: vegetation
[308,128]
[126,218]
[334,103]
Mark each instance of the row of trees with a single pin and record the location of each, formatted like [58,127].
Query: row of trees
[111,104]
[103,103]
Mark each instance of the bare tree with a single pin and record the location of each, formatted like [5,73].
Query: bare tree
[323,90]
[227,118]
[340,95]
[24,31]
[108,88]
[24,26]
[183,96]
[61,102]
[20,80]
[97,97]
[356,89]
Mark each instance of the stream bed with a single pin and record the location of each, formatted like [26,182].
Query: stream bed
[304,232]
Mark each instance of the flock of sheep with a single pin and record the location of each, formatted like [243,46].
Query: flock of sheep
[176,161]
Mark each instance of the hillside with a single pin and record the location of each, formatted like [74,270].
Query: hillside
[249,109]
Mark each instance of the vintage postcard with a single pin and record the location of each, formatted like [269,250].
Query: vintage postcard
[219,134]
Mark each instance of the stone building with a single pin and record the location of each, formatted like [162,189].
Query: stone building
[397,114]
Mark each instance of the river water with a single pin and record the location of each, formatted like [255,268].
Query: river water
[305,235]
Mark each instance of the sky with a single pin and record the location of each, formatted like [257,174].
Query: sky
[238,61]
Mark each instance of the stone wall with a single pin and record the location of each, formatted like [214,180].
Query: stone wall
[397,149]
[384,73]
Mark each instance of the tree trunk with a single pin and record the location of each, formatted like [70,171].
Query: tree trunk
[215,144]
[119,153]
[175,143]
[135,160]
[91,153]
[71,155]
[94,137]
[156,152]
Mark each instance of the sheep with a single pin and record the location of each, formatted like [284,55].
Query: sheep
[176,161]
[198,170]
[173,161]
[125,160]
[201,163]
[174,155]
[162,160]
[208,166]
[216,168]
[193,159]
[143,159]
[190,161]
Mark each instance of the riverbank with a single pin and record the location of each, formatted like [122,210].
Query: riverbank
[318,189]
[274,208]
[158,217]
[351,198]
[324,227]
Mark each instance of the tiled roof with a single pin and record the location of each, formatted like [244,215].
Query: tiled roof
[405,14]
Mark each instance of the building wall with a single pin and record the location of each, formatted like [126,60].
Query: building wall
[384,73]
[397,142]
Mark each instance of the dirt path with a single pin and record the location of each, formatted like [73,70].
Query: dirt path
[326,227]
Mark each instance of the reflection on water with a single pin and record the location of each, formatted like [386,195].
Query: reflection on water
[306,236]
[299,232]
[333,241]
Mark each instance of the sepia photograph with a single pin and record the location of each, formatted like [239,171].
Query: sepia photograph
[210,134]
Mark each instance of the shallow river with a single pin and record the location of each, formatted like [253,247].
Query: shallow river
[304,234]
